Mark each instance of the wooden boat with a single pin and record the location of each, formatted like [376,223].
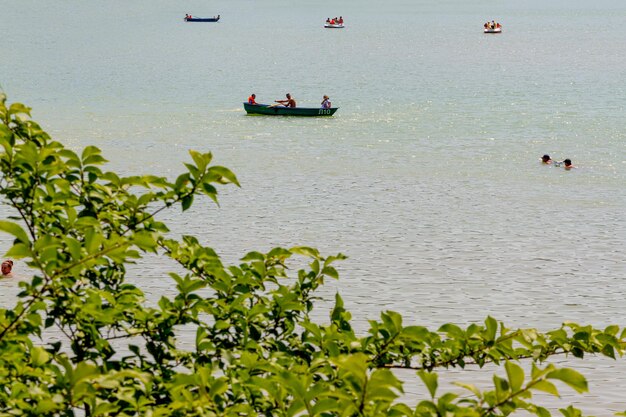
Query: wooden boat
[334,26]
[496,30]
[268,110]
[202,19]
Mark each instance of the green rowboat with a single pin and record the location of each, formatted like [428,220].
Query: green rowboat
[268,110]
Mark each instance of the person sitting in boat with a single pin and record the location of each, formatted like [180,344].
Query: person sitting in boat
[340,21]
[498,26]
[289,102]
[252,99]
[486,25]
[326,104]
[332,21]
[546,159]
[328,20]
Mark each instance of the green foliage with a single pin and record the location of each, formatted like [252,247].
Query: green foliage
[256,350]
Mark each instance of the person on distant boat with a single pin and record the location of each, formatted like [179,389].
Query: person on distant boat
[252,99]
[486,25]
[328,20]
[289,102]
[567,163]
[340,21]
[332,21]
[546,159]
[498,26]
[6,267]
[326,104]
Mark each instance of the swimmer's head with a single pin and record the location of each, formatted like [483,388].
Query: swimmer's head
[6,267]
[545,159]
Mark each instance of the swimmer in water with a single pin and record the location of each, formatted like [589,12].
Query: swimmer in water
[567,163]
[546,159]
[6,267]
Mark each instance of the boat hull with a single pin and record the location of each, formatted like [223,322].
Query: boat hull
[329,26]
[202,19]
[498,30]
[267,110]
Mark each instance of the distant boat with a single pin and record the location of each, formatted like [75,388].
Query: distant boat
[333,26]
[495,30]
[268,110]
[202,19]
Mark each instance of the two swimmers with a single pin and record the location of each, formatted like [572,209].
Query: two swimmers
[567,163]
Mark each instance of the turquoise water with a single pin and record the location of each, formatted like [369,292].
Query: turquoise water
[428,177]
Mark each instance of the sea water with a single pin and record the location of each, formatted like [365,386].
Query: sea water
[428,177]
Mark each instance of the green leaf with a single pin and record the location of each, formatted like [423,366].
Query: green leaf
[306,251]
[94,160]
[279,253]
[546,386]
[253,256]
[19,108]
[325,405]
[219,387]
[502,387]
[39,356]
[515,375]
[211,191]
[45,406]
[492,327]
[15,230]
[612,330]
[571,411]
[145,240]
[452,330]
[200,159]
[224,173]
[570,377]
[83,370]
[542,412]
[609,351]
[469,387]
[330,271]
[430,380]
[89,151]
[187,201]
[19,251]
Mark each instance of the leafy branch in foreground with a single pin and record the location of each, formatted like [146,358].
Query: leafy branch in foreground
[256,349]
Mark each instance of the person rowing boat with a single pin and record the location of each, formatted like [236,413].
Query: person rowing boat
[289,102]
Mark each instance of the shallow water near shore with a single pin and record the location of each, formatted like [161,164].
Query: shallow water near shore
[428,177]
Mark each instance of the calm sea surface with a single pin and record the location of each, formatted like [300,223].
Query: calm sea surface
[428,178]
